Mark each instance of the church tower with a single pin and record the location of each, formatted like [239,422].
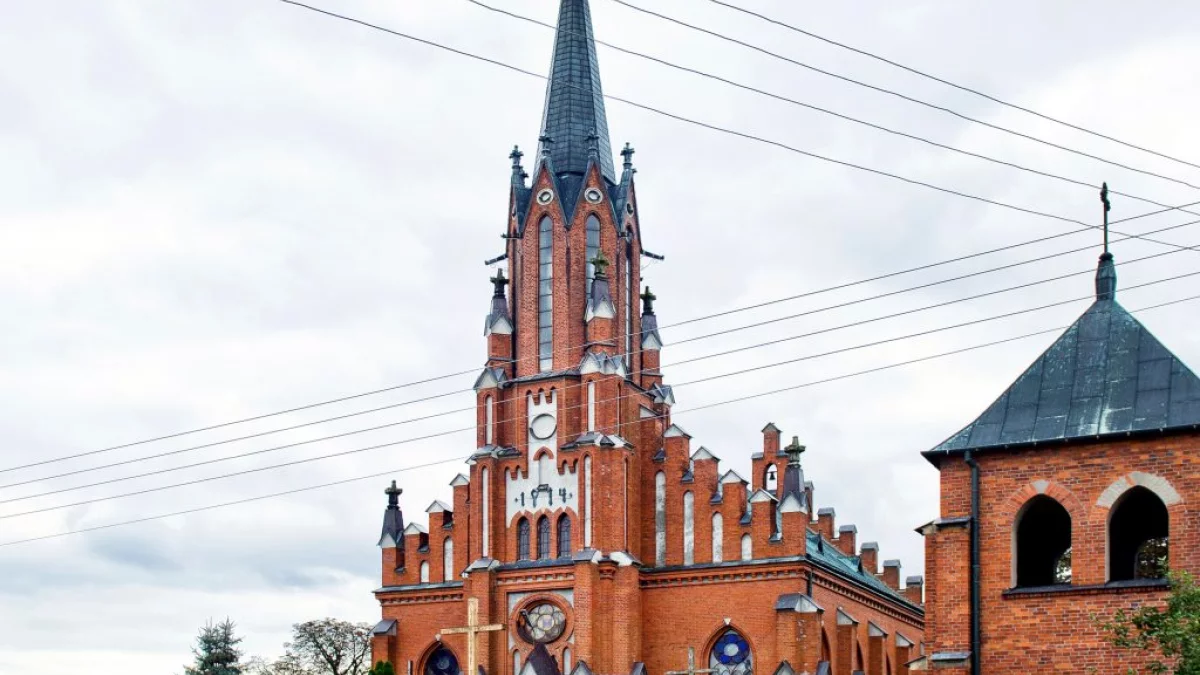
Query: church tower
[586,520]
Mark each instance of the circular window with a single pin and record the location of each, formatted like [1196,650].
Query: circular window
[543,426]
[544,623]
[593,195]
[629,208]
[545,196]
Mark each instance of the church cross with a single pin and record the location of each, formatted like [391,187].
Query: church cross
[1107,207]
[691,669]
[472,630]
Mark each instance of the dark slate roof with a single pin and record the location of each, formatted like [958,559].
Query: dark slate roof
[833,557]
[574,101]
[1107,374]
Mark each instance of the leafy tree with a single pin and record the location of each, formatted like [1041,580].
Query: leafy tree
[216,651]
[1172,633]
[382,668]
[327,647]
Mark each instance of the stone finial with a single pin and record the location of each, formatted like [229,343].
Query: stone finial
[393,494]
[499,282]
[627,155]
[600,263]
[593,144]
[648,299]
[516,156]
[794,450]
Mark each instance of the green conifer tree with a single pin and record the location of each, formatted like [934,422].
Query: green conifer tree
[216,651]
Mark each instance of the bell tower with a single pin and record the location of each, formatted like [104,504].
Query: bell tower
[571,381]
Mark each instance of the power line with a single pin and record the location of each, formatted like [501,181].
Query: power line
[1085,227]
[698,408]
[721,129]
[946,82]
[841,350]
[897,94]
[816,108]
[664,327]
[841,305]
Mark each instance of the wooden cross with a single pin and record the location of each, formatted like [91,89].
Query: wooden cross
[472,630]
[691,669]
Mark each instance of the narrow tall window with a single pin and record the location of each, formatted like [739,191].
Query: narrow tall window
[425,572]
[489,422]
[1137,536]
[747,548]
[566,660]
[660,518]
[448,559]
[1043,543]
[587,501]
[543,538]
[516,662]
[718,535]
[593,249]
[591,406]
[546,294]
[564,536]
[689,529]
[629,306]
[483,479]
[523,539]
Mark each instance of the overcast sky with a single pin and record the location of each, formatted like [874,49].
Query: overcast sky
[217,209]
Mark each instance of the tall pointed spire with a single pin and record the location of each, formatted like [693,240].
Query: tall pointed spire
[574,101]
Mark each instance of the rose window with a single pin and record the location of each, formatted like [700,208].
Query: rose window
[544,623]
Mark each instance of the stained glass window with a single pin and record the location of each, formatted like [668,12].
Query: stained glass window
[546,294]
[543,538]
[731,655]
[442,662]
[523,540]
[564,536]
[544,623]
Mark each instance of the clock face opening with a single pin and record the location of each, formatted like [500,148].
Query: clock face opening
[543,426]
[545,196]
[593,196]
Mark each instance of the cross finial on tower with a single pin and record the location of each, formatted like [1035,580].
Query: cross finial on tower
[794,450]
[648,299]
[393,494]
[516,156]
[600,263]
[546,142]
[1107,207]
[499,282]
[627,154]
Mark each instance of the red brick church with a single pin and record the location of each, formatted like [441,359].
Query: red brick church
[591,535]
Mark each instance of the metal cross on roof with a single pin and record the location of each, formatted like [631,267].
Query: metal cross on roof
[1107,207]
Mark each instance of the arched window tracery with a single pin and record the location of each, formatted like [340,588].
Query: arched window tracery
[543,543]
[731,655]
[523,539]
[442,662]
[564,536]
[546,294]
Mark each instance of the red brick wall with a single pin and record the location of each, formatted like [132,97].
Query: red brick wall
[1052,632]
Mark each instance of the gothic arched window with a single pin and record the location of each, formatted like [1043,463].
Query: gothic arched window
[1137,536]
[442,662]
[747,547]
[546,294]
[731,655]
[593,249]
[718,538]
[660,518]
[448,559]
[564,536]
[1043,543]
[523,539]
[424,572]
[629,306]
[689,528]
[543,538]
